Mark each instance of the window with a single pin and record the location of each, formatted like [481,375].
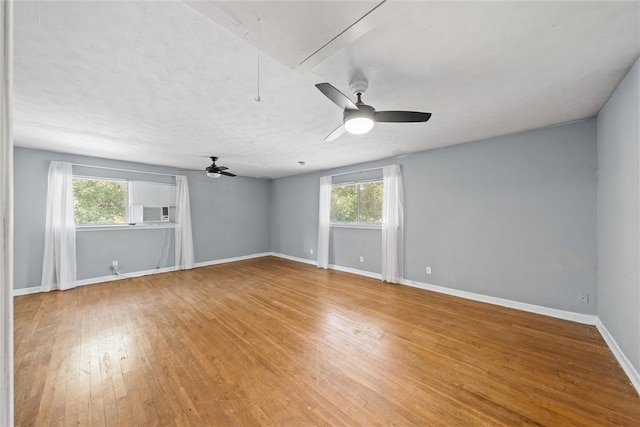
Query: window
[99,201]
[358,203]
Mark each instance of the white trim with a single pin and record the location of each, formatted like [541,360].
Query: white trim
[331,266]
[122,170]
[361,225]
[111,278]
[294,258]
[118,227]
[356,271]
[626,365]
[358,171]
[27,291]
[102,279]
[587,319]
[234,259]
[96,280]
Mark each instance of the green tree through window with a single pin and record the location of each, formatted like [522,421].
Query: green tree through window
[371,202]
[359,203]
[99,201]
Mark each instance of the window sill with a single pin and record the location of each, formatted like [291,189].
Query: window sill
[146,226]
[363,226]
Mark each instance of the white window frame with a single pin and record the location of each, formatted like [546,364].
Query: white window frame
[128,225]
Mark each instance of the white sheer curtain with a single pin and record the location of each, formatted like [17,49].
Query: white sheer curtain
[59,261]
[6,215]
[184,236]
[392,224]
[324,221]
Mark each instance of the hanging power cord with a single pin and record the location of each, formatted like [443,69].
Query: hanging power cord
[162,262]
[114,270]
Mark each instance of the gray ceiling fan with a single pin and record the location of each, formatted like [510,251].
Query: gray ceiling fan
[358,118]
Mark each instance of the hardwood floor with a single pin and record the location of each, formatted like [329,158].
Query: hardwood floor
[274,342]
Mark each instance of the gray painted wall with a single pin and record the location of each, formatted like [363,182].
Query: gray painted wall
[512,217]
[135,250]
[230,218]
[294,215]
[619,215]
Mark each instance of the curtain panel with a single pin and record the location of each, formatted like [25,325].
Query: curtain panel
[184,236]
[324,222]
[392,224]
[59,260]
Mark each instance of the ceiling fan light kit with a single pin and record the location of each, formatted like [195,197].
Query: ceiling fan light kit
[359,121]
[213,175]
[358,125]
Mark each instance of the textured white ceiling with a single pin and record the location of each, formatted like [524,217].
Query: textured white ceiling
[170,83]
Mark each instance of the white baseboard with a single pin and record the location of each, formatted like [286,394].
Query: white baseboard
[356,271]
[102,279]
[234,259]
[110,278]
[27,291]
[294,258]
[587,319]
[627,366]
[331,266]
[95,280]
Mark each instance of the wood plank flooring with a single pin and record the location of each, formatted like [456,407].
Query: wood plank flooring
[273,342]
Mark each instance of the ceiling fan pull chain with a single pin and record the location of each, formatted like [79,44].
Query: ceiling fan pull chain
[258,99]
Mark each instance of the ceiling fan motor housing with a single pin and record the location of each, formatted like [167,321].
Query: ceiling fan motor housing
[363,110]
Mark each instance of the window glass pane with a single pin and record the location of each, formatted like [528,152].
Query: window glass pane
[358,203]
[344,203]
[371,202]
[99,201]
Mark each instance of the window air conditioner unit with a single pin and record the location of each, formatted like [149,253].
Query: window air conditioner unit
[150,214]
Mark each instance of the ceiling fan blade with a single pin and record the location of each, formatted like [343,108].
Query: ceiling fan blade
[401,116]
[226,173]
[221,168]
[336,133]
[337,97]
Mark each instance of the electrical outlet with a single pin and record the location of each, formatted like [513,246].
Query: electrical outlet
[361,259]
[584,298]
[428,270]
[114,264]
[311,251]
